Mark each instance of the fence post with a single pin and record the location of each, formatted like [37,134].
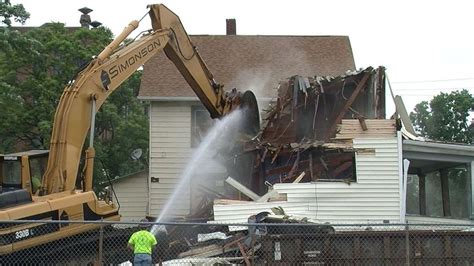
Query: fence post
[101,242]
[407,244]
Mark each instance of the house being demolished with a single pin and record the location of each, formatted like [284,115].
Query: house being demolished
[325,152]
[312,125]
[325,156]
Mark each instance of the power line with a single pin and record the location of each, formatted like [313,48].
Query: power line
[434,92]
[430,81]
[415,95]
[436,89]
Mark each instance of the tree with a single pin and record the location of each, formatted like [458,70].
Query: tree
[34,69]
[17,12]
[446,117]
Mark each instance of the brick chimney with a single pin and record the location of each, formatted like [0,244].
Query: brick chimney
[231,27]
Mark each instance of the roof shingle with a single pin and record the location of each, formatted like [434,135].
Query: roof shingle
[257,63]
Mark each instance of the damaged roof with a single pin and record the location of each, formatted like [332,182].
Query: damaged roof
[251,62]
[310,128]
[312,107]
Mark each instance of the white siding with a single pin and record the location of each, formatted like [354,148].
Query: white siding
[132,193]
[170,150]
[373,198]
[238,212]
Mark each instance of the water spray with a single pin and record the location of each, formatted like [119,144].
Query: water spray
[214,133]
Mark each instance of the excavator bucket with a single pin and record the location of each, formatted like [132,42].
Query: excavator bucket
[251,115]
[240,163]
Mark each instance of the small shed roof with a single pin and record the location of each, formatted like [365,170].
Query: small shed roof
[439,148]
[30,153]
[124,177]
[251,62]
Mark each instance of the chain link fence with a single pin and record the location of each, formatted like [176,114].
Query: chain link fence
[105,243]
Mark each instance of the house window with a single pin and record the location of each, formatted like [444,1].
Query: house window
[459,192]
[433,195]
[201,122]
[413,195]
[444,192]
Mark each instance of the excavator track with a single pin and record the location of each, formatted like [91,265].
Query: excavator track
[80,249]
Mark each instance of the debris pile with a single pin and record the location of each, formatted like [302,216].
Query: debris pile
[239,244]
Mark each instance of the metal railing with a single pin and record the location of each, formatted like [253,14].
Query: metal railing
[51,242]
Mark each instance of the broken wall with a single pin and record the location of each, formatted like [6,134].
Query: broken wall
[373,197]
[332,129]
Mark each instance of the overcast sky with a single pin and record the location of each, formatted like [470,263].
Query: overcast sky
[426,46]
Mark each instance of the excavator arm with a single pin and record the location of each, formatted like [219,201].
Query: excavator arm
[186,58]
[83,97]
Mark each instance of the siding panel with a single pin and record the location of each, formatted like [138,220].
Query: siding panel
[158,135]
[132,193]
[170,149]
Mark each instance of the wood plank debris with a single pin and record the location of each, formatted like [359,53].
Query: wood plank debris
[246,191]
[272,193]
[376,128]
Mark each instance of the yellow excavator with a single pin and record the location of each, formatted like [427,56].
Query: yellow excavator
[42,185]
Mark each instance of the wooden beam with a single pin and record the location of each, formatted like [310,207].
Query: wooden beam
[362,123]
[244,254]
[246,191]
[273,192]
[206,251]
[349,102]
[380,93]
[311,166]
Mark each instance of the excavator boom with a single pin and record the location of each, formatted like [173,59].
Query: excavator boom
[101,77]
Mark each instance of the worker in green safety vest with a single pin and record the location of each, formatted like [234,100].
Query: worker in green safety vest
[142,243]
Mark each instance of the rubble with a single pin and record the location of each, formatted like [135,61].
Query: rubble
[225,246]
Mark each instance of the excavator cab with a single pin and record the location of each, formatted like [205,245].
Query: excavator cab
[11,173]
[20,176]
